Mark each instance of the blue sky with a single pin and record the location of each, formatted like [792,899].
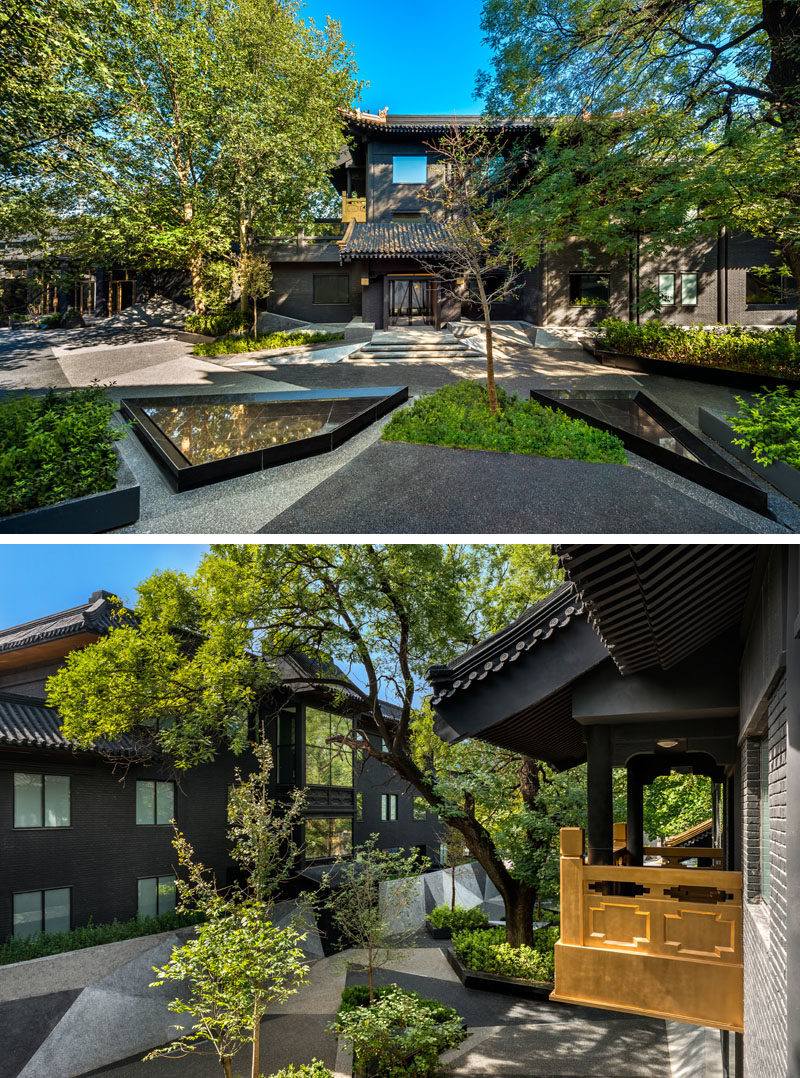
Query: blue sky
[38,579]
[416,58]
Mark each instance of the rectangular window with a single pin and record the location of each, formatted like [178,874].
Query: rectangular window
[327,764]
[287,721]
[331,288]
[388,806]
[359,807]
[329,837]
[420,808]
[155,896]
[771,288]
[689,289]
[401,217]
[41,911]
[407,169]
[41,800]
[589,289]
[764,829]
[155,802]
[666,289]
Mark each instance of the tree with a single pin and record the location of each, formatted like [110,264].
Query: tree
[226,121]
[676,802]
[472,194]
[391,610]
[706,95]
[253,277]
[356,907]
[455,854]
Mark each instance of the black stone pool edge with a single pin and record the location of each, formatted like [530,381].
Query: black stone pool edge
[185,476]
[704,471]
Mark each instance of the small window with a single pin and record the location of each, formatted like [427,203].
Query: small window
[332,289]
[409,169]
[666,289]
[41,800]
[155,802]
[420,808]
[401,217]
[156,896]
[359,807]
[388,806]
[764,825]
[589,289]
[286,747]
[771,288]
[329,837]
[689,289]
[41,911]
[327,763]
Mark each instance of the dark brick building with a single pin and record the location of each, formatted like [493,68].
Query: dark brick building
[88,834]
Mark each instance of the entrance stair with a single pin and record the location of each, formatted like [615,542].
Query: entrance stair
[411,345]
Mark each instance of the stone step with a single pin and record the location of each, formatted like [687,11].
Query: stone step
[412,354]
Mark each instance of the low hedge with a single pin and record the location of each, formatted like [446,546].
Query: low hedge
[215,324]
[736,348]
[357,995]
[56,447]
[459,416]
[488,952]
[233,344]
[47,943]
[458,918]
[769,426]
[314,1069]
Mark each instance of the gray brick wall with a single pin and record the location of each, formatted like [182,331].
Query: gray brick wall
[765,995]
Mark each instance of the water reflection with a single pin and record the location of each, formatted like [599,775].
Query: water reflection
[628,415]
[207,430]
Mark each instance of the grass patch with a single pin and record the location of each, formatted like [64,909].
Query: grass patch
[735,348]
[487,952]
[459,416]
[46,943]
[56,447]
[234,343]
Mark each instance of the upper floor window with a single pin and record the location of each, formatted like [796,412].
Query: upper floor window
[666,289]
[329,837]
[286,747]
[332,289]
[327,763]
[689,289]
[41,911]
[155,802]
[156,895]
[388,806]
[774,287]
[359,806]
[41,800]
[589,289]
[420,808]
[408,169]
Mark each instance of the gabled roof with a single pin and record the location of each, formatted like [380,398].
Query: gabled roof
[26,722]
[95,616]
[390,239]
[428,124]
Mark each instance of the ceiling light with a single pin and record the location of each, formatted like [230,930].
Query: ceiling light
[667,743]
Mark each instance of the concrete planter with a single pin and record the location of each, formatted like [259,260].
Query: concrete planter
[495,982]
[90,514]
[782,476]
[438,933]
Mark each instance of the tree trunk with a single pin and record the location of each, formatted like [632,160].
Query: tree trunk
[453,886]
[255,1067]
[255,317]
[195,271]
[487,321]
[370,980]
[520,903]
[792,254]
[227,1065]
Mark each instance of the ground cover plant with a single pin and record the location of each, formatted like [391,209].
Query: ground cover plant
[399,1034]
[458,918]
[314,1069]
[488,952]
[770,426]
[216,324]
[47,943]
[460,416]
[231,344]
[737,348]
[56,447]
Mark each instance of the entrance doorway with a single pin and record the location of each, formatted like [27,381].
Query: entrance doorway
[412,301]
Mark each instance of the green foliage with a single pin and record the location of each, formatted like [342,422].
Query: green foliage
[55,321]
[399,1034]
[488,952]
[56,447]
[458,918]
[742,348]
[459,415]
[215,324]
[230,345]
[769,426]
[357,995]
[676,802]
[90,935]
[314,1069]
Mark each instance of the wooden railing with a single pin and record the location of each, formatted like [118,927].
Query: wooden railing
[657,941]
[353,209]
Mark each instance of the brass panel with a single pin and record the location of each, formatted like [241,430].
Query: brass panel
[706,933]
[618,924]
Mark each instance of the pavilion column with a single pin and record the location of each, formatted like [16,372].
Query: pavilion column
[635,814]
[600,844]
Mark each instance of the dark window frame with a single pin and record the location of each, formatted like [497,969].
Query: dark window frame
[41,891]
[155,783]
[330,276]
[410,157]
[420,814]
[160,876]
[332,750]
[578,276]
[330,855]
[43,826]
[780,281]
[389,803]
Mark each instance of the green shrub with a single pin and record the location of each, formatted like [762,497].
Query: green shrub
[770,426]
[314,1069]
[457,918]
[56,447]
[215,324]
[45,943]
[357,995]
[488,952]
[459,416]
[230,345]
[743,348]
[400,1026]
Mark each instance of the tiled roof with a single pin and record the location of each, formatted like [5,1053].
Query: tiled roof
[536,625]
[389,239]
[422,124]
[95,616]
[27,722]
